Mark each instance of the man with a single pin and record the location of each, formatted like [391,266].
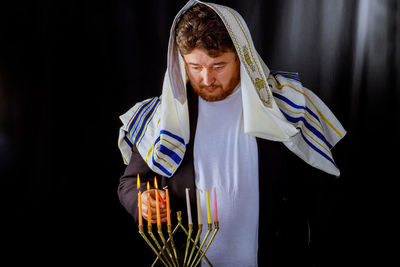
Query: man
[225,121]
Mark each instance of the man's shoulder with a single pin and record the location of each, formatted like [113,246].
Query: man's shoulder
[286,74]
[139,107]
[146,101]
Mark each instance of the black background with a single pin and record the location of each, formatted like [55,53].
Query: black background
[68,69]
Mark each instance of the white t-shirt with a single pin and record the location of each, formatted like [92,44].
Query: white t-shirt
[227,159]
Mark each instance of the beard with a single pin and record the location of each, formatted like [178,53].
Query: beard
[218,93]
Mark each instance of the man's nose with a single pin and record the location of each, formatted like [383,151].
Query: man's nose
[208,77]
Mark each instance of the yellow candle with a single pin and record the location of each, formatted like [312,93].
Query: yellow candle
[208,208]
[148,205]
[157,203]
[168,208]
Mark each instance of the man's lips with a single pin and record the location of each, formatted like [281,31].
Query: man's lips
[210,88]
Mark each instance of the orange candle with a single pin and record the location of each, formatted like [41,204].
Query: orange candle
[157,203]
[139,201]
[140,208]
[148,205]
[168,208]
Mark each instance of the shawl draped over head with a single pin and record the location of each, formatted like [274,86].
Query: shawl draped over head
[275,107]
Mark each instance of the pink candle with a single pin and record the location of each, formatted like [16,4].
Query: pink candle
[215,206]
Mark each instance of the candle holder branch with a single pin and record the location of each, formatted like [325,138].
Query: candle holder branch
[209,229]
[188,243]
[141,232]
[209,242]
[170,259]
[171,238]
[186,232]
[199,230]
[150,232]
[160,233]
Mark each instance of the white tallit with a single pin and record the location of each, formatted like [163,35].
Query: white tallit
[275,107]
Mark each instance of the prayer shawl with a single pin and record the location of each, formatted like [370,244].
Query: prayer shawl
[275,107]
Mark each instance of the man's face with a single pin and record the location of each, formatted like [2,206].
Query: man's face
[212,78]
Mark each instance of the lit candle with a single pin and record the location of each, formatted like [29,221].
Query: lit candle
[208,208]
[139,201]
[215,206]
[148,205]
[168,208]
[157,203]
[188,206]
[199,219]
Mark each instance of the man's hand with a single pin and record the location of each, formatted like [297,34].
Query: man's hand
[163,208]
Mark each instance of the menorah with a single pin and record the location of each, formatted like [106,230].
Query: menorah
[165,249]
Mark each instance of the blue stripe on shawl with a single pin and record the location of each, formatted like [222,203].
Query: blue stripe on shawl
[168,151]
[173,136]
[308,126]
[170,154]
[146,119]
[138,114]
[289,75]
[157,140]
[315,148]
[158,165]
[286,100]
[143,112]
[128,141]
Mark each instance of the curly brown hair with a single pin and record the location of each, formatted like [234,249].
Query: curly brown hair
[200,27]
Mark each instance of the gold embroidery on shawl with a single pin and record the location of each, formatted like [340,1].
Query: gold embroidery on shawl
[247,58]
[268,101]
[259,85]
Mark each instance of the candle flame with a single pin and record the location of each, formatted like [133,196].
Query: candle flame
[155,183]
[138,181]
[148,185]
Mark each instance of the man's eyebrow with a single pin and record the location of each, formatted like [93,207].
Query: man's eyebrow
[214,64]
[220,63]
